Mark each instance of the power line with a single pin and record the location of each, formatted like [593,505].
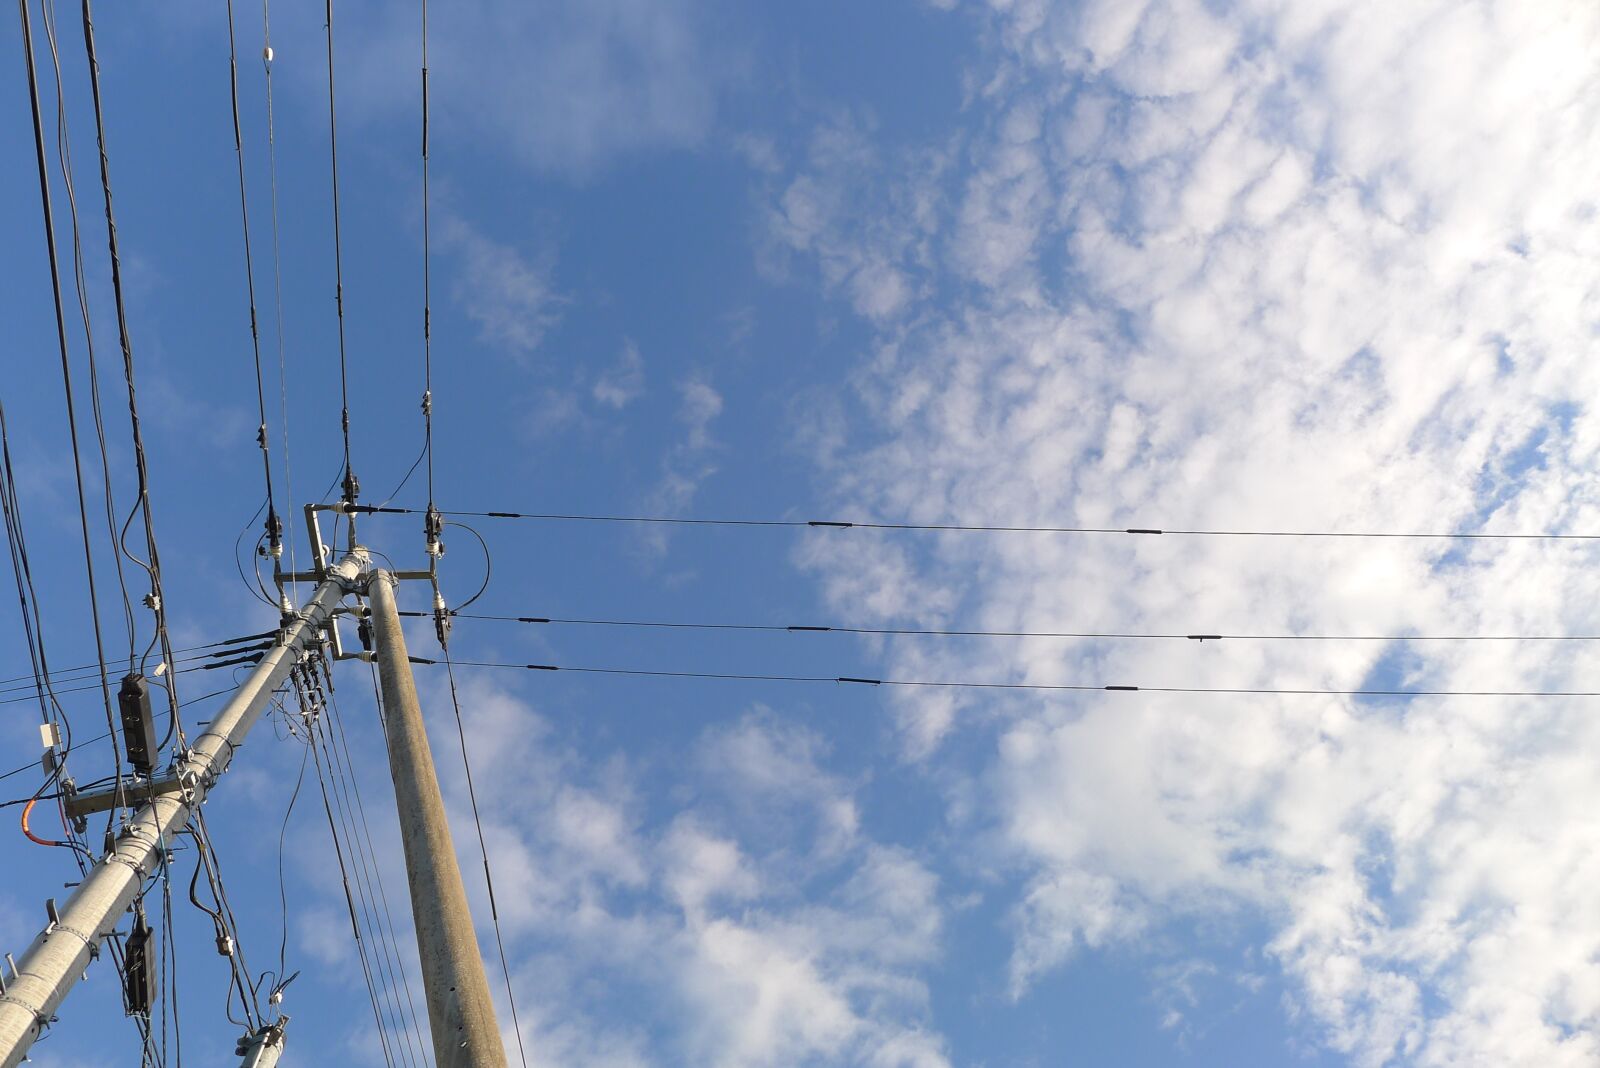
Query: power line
[277,264]
[935,632]
[178,671]
[989,528]
[351,486]
[274,524]
[66,372]
[483,849]
[59,672]
[1026,686]
[81,287]
[156,600]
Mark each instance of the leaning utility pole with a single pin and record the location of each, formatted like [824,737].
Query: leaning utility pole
[61,952]
[460,1010]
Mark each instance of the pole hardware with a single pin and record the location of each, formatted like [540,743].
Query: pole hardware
[52,964]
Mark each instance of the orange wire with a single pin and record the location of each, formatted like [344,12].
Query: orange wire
[27,810]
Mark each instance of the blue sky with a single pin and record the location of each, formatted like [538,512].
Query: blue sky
[1321,266]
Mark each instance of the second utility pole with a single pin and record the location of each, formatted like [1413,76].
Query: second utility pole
[460,1010]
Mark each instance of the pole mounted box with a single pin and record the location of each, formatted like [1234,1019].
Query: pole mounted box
[138,723]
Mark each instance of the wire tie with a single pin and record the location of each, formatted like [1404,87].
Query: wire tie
[864,682]
[1143,530]
[827,523]
[541,667]
[1129,689]
[818,629]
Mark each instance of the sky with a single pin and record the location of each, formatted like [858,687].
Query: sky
[1320,265]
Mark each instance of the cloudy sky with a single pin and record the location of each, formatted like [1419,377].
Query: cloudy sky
[1292,265]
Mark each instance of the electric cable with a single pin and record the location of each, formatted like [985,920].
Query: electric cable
[351,486]
[383,951]
[935,632]
[388,941]
[988,528]
[1021,686]
[81,288]
[156,599]
[66,372]
[274,530]
[310,713]
[277,265]
[34,764]
[483,849]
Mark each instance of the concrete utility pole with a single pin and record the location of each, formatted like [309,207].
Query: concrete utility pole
[460,1010]
[59,955]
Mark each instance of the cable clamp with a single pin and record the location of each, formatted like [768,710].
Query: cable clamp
[152,601]
[441,619]
[427,402]
[433,529]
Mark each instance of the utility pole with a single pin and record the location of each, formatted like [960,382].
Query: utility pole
[61,952]
[460,1010]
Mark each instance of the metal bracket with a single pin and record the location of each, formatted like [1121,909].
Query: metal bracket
[82,804]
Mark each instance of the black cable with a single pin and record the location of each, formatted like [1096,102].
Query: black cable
[196,653]
[66,373]
[81,287]
[283,893]
[344,878]
[351,487]
[33,765]
[483,849]
[277,265]
[1038,686]
[58,673]
[977,633]
[85,689]
[488,563]
[382,952]
[388,940]
[989,528]
[157,598]
[274,524]
[27,599]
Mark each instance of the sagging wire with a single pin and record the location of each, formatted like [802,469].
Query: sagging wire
[155,600]
[80,286]
[311,702]
[66,374]
[274,525]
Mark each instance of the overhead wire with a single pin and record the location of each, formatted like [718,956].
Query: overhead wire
[66,371]
[1018,686]
[33,764]
[973,632]
[80,286]
[388,939]
[310,713]
[991,528]
[156,599]
[351,485]
[277,264]
[274,531]
[382,943]
[483,850]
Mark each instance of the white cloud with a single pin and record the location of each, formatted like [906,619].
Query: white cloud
[565,88]
[621,385]
[1317,266]
[506,295]
[705,916]
[701,404]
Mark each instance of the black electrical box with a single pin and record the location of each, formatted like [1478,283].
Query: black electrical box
[138,725]
[139,969]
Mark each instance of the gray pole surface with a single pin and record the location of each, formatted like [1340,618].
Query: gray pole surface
[460,1010]
[59,955]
